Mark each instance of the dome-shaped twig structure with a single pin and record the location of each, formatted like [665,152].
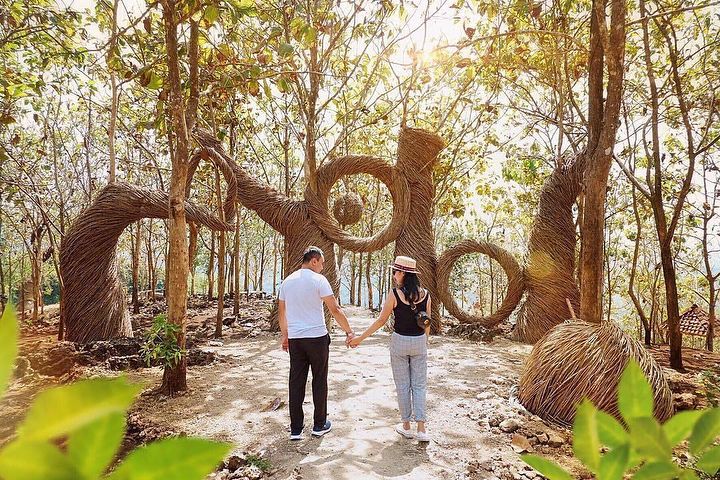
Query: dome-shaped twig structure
[348,208]
[447,260]
[576,360]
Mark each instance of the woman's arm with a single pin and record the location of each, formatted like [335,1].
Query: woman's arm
[382,320]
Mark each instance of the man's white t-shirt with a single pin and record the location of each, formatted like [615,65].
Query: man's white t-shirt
[302,292]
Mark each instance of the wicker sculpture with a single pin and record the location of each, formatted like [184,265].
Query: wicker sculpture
[347,209]
[94,307]
[577,360]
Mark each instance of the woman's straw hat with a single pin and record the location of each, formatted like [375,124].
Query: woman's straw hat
[404,264]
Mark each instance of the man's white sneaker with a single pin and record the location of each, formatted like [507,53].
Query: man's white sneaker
[405,433]
[422,436]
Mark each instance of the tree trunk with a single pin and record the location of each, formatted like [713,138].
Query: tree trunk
[135,243]
[247,274]
[221,261]
[174,378]
[369,281]
[596,173]
[211,268]
[352,279]
[236,260]
[358,297]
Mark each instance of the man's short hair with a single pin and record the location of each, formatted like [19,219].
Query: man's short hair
[312,252]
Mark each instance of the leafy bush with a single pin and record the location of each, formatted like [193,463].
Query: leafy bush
[89,416]
[642,442]
[161,343]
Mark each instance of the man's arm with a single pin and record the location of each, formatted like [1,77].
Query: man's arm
[282,319]
[338,314]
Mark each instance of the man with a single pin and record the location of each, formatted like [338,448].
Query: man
[305,336]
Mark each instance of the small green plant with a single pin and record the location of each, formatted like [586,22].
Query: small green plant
[642,446]
[161,343]
[258,461]
[89,416]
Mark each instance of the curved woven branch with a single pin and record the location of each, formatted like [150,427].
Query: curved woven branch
[418,152]
[330,173]
[576,360]
[94,307]
[514,273]
[550,264]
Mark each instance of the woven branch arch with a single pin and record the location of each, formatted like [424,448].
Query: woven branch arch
[330,173]
[574,359]
[516,284]
[94,306]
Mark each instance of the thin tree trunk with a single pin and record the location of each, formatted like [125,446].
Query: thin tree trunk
[221,261]
[135,244]
[211,268]
[352,279]
[236,255]
[358,297]
[247,273]
[369,281]
[175,377]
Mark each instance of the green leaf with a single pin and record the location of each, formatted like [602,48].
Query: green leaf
[614,463]
[155,81]
[62,410]
[635,396]
[586,443]
[22,460]
[8,346]
[93,447]
[649,438]
[285,49]
[710,461]
[705,431]
[680,425]
[179,458]
[547,468]
[610,431]
[211,14]
[688,475]
[656,471]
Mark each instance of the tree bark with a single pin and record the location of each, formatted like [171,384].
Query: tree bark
[236,260]
[211,268]
[174,378]
[221,261]
[596,174]
[135,244]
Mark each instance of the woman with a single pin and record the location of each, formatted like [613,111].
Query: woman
[408,345]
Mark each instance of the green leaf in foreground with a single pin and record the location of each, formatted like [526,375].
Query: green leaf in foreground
[649,439]
[62,410]
[680,425]
[610,431]
[710,461]
[92,447]
[20,460]
[614,463]
[656,471]
[635,396]
[8,346]
[706,429]
[547,468]
[179,458]
[586,443]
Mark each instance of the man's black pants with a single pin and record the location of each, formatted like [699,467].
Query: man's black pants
[308,353]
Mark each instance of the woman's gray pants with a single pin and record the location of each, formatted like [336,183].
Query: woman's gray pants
[408,359]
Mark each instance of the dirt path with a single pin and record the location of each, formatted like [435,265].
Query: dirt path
[469,384]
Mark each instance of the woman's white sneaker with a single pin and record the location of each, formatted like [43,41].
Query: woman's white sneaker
[405,433]
[422,436]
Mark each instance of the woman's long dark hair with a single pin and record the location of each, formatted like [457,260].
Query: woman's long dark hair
[411,287]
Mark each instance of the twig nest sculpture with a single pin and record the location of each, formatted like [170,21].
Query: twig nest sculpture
[575,360]
[516,283]
[347,209]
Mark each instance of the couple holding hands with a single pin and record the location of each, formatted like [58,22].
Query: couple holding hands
[305,337]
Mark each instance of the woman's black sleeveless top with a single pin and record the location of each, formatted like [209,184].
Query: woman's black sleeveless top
[405,323]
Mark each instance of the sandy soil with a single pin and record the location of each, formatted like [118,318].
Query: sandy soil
[468,382]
